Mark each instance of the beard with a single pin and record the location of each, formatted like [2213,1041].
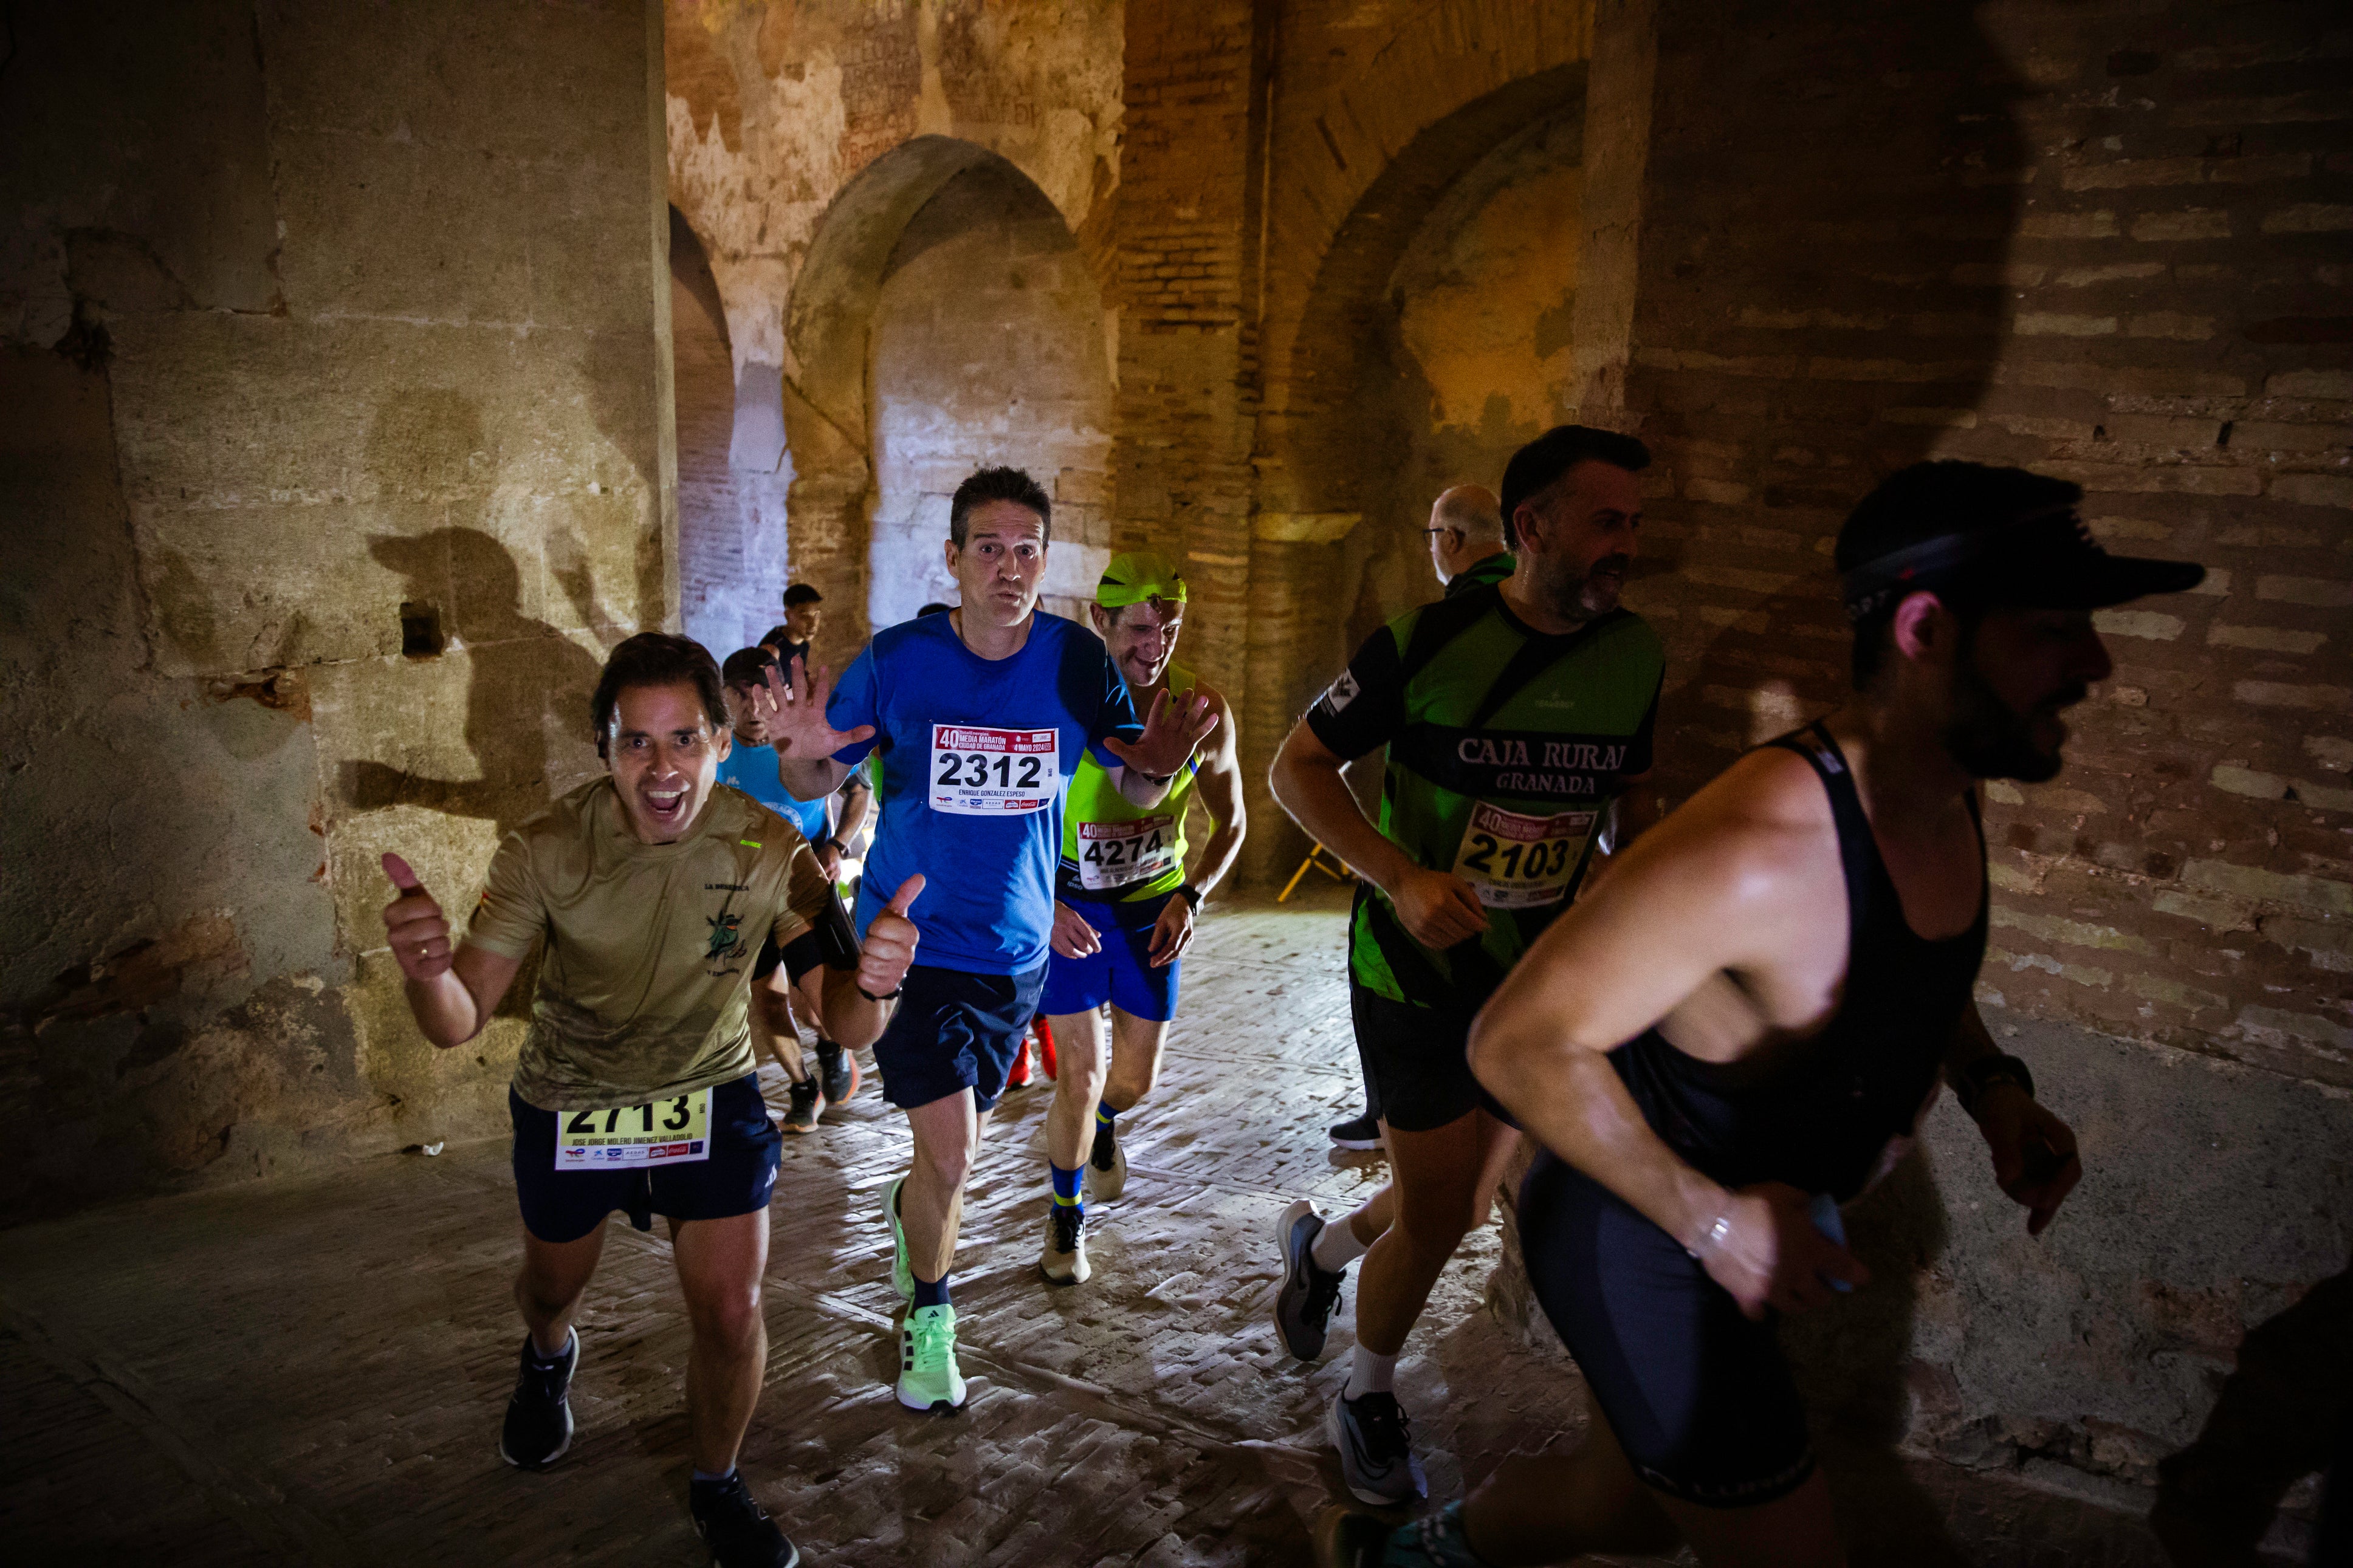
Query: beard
[1575,595]
[1990,740]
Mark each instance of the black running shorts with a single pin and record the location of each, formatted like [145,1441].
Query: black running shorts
[1416,1062]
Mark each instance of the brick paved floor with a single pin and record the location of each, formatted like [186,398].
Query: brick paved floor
[313,1371]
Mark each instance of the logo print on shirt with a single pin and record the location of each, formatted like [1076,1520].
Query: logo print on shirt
[724,941]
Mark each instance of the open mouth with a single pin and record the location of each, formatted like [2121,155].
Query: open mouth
[667,807]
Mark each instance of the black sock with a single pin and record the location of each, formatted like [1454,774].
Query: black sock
[828,1052]
[931,1292]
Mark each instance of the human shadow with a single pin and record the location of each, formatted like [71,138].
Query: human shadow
[2284,1413]
[528,685]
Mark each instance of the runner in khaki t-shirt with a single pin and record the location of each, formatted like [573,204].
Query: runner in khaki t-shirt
[643,991]
[657,893]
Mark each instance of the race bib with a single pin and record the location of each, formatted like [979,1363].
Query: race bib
[635,1137]
[1119,853]
[1515,862]
[981,771]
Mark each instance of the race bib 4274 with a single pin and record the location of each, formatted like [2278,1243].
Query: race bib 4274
[978,770]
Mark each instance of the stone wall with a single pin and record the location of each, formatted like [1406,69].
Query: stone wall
[338,450]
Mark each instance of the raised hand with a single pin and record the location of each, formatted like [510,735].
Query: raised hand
[888,950]
[1173,730]
[795,715]
[413,922]
[1073,937]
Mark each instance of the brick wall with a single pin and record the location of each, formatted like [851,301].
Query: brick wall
[2104,245]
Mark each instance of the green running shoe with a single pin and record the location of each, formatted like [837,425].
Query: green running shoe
[902,1278]
[928,1375]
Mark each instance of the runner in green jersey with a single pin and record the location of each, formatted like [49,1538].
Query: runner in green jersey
[1513,717]
[1125,902]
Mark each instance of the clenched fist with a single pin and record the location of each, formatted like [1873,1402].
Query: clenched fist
[413,921]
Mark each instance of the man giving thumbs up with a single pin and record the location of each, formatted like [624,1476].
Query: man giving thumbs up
[654,890]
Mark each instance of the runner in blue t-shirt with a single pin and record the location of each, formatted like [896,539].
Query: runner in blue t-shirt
[979,716]
[779,1006]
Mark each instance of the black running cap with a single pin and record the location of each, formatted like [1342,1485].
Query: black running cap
[2046,559]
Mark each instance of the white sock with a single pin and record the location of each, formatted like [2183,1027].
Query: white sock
[1336,1246]
[1370,1373]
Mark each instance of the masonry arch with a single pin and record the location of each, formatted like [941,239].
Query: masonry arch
[946,318]
[731,543]
[1434,338]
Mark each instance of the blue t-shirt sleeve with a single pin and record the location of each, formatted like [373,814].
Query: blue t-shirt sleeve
[856,702]
[1117,714]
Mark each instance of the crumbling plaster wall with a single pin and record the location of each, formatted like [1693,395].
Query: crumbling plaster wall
[314,320]
[803,139]
[731,532]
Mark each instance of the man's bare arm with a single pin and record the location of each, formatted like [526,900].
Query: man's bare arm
[1438,908]
[1219,788]
[1705,893]
[451,994]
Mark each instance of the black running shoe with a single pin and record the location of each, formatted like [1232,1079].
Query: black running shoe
[1357,1132]
[840,1072]
[803,1109]
[539,1417]
[737,1528]
[1304,1301]
[1375,1444]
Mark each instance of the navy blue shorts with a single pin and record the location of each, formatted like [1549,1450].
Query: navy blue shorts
[955,1031]
[565,1206]
[1120,972]
[1698,1395]
[1416,1062]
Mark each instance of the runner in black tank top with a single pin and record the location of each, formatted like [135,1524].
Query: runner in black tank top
[1739,1026]
[1826,1114]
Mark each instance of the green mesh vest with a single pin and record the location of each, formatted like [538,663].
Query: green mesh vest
[1504,746]
[1113,849]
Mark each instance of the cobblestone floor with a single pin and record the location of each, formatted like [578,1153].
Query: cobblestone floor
[313,1371]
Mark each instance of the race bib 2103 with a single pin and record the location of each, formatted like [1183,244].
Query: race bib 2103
[1517,862]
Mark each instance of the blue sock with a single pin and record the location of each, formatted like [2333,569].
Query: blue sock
[1066,1186]
[931,1292]
[705,1478]
[1104,1114]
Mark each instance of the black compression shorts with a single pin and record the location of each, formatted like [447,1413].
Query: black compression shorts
[1697,1395]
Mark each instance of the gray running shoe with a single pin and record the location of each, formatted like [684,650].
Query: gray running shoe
[1376,1446]
[1063,1260]
[1106,1165]
[1304,1302]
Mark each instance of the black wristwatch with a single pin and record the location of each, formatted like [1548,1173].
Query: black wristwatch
[886,996]
[838,847]
[1970,1083]
[1190,894]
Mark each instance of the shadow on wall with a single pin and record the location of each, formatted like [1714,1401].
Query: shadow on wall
[1822,171]
[2285,1412]
[524,677]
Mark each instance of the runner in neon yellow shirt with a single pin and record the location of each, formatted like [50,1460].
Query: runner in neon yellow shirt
[1126,900]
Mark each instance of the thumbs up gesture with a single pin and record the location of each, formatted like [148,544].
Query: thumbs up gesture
[888,950]
[420,937]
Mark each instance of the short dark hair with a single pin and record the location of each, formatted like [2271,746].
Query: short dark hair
[997,484]
[1932,501]
[1535,467]
[802,594]
[748,666]
[657,658]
